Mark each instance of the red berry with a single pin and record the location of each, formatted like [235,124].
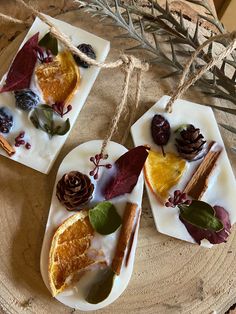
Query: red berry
[177,193]
[184,195]
[182,199]
[21,142]
[69,108]
[22,134]
[108,166]
[27,145]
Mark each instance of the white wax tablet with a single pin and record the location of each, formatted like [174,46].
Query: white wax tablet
[222,185]
[44,150]
[78,159]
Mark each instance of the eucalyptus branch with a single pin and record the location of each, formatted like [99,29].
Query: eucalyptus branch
[213,19]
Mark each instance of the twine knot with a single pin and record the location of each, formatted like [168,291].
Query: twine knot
[135,62]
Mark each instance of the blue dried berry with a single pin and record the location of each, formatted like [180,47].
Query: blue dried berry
[88,50]
[26,99]
[6,120]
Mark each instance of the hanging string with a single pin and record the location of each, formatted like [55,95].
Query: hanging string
[7,18]
[136,104]
[185,83]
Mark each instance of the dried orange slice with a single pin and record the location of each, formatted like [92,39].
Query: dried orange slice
[69,255]
[59,79]
[162,173]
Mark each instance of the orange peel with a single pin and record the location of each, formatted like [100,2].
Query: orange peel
[70,253]
[162,173]
[59,79]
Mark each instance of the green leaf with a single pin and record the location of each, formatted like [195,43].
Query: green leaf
[102,288]
[104,218]
[62,129]
[34,121]
[49,42]
[48,113]
[42,118]
[201,215]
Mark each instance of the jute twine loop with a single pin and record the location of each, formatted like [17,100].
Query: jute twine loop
[120,108]
[7,19]
[185,83]
[128,63]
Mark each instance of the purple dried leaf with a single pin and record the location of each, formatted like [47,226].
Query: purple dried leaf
[213,237]
[126,172]
[21,70]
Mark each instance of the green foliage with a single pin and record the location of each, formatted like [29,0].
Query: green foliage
[104,218]
[42,118]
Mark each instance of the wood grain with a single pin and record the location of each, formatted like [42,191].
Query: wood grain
[170,276]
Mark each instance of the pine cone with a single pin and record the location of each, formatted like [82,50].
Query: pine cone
[190,143]
[74,189]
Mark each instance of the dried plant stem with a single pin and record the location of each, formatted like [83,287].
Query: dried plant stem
[185,84]
[212,39]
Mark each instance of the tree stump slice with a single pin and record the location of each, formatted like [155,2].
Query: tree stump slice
[170,276]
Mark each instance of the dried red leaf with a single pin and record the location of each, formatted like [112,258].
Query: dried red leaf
[213,237]
[126,171]
[21,70]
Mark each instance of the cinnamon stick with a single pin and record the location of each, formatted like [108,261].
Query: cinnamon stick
[6,146]
[131,240]
[125,234]
[199,181]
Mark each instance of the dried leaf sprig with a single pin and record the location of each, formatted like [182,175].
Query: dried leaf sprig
[146,25]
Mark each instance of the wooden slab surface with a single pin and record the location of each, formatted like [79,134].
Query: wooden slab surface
[169,277]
